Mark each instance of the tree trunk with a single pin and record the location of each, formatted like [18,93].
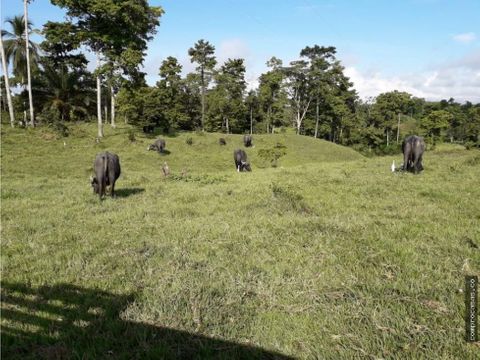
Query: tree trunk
[251,120]
[202,76]
[112,107]
[316,122]
[398,128]
[99,100]
[269,110]
[387,137]
[7,84]
[226,124]
[298,122]
[27,52]
[105,109]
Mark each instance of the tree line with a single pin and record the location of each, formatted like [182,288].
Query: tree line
[311,95]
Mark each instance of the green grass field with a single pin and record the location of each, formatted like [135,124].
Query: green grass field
[328,255]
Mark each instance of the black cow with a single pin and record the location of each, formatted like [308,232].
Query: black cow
[222,141]
[413,148]
[247,140]
[148,129]
[240,158]
[107,170]
[158,145]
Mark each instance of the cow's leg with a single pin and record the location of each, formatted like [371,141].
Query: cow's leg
[101,186]
[406,157]
[417,164]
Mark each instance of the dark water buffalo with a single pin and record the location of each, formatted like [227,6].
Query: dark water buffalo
[240,158]
[413,148]
[148,129]
[247,140]
[158,145]
[107,170]
[222,141]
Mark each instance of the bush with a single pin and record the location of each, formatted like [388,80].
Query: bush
[60,128]
[471,145]
[381,150]
[393,149]
[131,135]
[273,154]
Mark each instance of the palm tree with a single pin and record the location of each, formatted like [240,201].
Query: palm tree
[29,77]
[64,91]
[15,49]
[7,84]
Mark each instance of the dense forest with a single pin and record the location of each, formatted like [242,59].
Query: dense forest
[311,95]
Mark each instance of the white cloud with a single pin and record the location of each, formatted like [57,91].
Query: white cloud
[233,49]
[459,79]
[370,84]
[465,37]
[239,49]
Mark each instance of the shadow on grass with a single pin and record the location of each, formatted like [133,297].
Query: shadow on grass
[163,152]
[123,193]
[65,321]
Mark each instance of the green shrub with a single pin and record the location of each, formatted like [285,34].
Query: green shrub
[469,145]
[60,128]
[273,154]
[131,135]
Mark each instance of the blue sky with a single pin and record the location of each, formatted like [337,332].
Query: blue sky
[430,48]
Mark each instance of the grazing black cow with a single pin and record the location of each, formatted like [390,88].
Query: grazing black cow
[222,141]
[107,170]
[158,145]
[413,148]
[240,158]
[148,129]
[247,140]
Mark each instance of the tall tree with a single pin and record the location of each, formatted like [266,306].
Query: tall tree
[389,106]
[171,91]
[16,51]
[61,45]
[202,53]
[272,96]
[27,52]
[435,122]
[115,30]
[7,83]
[226,99]
[320,80]
[252,103]
[298,80]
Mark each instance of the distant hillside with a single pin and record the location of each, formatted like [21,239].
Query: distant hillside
[203,155]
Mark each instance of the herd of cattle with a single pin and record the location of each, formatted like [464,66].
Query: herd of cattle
[107,165]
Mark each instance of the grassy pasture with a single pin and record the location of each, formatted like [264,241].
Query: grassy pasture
[328,255]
